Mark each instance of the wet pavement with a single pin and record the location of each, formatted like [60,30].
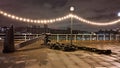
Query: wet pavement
[35,56]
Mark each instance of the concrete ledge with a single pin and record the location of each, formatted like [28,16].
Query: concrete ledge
[25,43]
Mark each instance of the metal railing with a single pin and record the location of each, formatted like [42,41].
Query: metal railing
[83,37]
[22,37]
[66,37]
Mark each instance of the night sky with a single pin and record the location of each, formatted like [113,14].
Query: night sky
[95,10]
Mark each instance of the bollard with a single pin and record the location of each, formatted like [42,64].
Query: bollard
[9,41]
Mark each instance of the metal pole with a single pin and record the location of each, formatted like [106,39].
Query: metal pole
[71,31]
[71,9]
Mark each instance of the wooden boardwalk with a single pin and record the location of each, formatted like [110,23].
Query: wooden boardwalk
[33,56]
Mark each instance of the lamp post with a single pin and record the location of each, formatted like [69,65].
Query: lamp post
[71,10]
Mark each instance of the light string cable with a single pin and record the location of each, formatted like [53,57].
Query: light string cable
[46,21]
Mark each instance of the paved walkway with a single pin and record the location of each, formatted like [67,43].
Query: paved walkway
[33,56]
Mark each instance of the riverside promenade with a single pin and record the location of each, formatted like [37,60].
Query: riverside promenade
[37,56]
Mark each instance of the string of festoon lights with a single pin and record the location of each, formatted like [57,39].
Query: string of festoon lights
[28,20]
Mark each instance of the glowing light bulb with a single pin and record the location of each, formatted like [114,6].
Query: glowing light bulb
[44,21]
[24,20]
[71,8]
[35,21]
[13,17]
[5,14]
[118,14]
[21,19]
[9,15]
[1,12]
[16,18]
[54,20]
[31,21]
[58,19]
[38,21]
[28,20]
[51,21]
[48,21]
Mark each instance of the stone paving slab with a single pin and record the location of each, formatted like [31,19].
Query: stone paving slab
[35,57]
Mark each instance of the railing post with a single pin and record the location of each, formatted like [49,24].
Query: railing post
[83,37]
[110,37]
[116,37]
[104,37]
[37,36]
[75,37]
[29,36]
[97,37]
[66,37]
[25,37]
[57,37]
[90,37]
